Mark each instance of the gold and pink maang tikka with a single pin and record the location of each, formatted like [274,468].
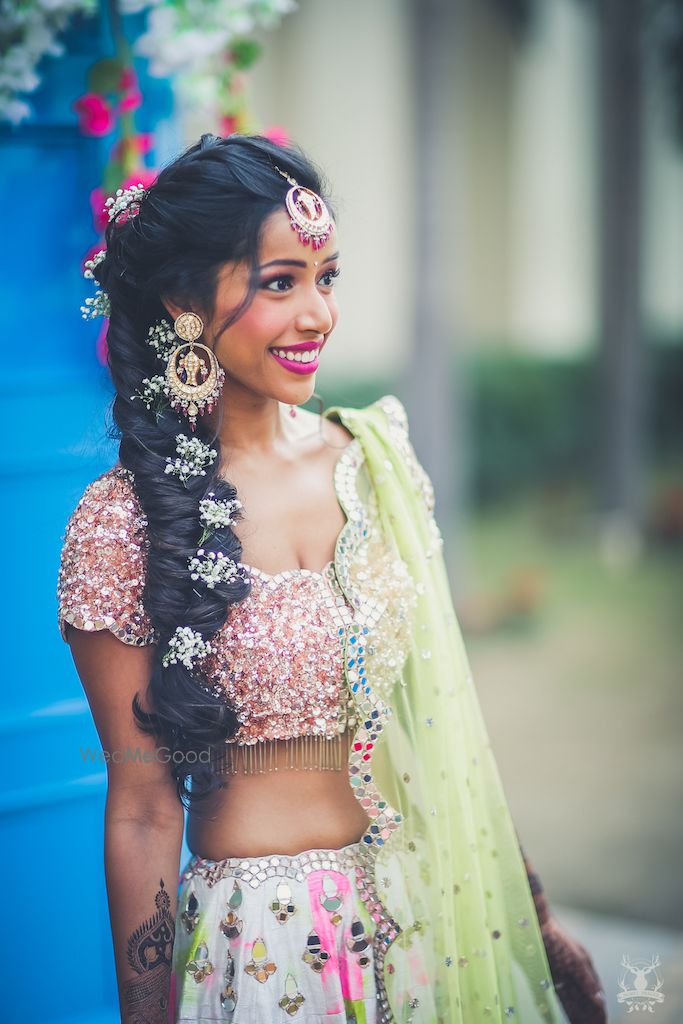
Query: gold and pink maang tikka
[308,213]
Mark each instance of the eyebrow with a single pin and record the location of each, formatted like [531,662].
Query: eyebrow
[297,263]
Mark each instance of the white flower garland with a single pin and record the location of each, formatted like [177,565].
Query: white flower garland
[212,567]
[191,36]
[187,36]
[29,29]
[185,647]
[193,456]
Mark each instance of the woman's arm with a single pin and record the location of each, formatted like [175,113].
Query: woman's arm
[576,981]
[143,825]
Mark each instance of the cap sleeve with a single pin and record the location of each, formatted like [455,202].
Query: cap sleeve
[103,562]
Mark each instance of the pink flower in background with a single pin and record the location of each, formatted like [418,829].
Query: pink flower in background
[228,125]
[128,79]
[95,115]
[129,87]
[131,100]
[277,135]
[144,141]
[145,175]
[137,144]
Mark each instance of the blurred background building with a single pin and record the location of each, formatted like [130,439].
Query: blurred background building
[508,179]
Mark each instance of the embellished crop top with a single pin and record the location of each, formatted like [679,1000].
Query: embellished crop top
[279,657]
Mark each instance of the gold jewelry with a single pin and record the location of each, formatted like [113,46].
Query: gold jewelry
[309,216]
[189,394]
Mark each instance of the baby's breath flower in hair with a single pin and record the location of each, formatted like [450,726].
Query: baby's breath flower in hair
[93,262]
[99,305]
[212,567]
[154,394]
[162,338]
[216,513]
[193,456]
[127,199]
[185,647]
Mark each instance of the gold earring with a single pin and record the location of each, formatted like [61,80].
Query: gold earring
[191,395]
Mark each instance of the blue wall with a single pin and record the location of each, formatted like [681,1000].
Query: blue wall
[58,964]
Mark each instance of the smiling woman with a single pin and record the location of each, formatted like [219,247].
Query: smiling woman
[350,862]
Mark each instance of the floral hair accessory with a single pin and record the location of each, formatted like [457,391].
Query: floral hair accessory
[162,338]
[99,305]
[215,513]
[185,647]
[212,567]
[126,200]
[154,394]
[193,456]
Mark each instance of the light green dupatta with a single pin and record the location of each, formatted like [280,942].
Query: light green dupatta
[444,855]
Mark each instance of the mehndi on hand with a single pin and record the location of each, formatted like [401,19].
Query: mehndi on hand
[574,975]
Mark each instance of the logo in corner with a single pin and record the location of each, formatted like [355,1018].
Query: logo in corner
[640,984]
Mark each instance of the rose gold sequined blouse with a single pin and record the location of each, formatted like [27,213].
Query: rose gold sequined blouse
[278,658]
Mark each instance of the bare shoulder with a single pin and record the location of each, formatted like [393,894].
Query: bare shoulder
[331,431]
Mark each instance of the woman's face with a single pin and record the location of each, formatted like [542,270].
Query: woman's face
[293,313]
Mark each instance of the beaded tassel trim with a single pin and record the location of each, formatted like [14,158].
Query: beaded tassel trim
[305,753]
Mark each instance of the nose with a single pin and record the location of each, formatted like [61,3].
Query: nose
[315,314]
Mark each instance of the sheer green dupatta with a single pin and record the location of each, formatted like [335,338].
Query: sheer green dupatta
[451,874]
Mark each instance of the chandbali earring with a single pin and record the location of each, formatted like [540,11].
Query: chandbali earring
[194,378]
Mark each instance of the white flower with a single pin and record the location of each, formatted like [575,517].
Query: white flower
[126,199]
[192,36]
[215,513]
[212,567]
[193,456]
[155,388]
[93,262]
[100,304]
[162,338]
[185,647]
[32,27]
[97,306]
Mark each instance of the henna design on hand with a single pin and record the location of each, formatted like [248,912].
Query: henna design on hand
[574,975]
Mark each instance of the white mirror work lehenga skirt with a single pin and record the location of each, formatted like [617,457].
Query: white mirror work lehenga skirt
[274,938]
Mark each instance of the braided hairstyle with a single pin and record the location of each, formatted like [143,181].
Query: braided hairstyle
[207,207]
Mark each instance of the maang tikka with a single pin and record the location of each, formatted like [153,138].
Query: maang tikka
[193,386]
[308,213]
[309,217]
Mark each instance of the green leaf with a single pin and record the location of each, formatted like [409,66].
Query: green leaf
[103,77]
[244,52]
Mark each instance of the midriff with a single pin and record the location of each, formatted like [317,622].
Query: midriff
[284,811]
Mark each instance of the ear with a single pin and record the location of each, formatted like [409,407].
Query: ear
[172,308]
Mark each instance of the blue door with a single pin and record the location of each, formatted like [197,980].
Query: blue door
[57,963]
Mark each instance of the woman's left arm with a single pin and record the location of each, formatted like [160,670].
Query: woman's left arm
[575,978]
